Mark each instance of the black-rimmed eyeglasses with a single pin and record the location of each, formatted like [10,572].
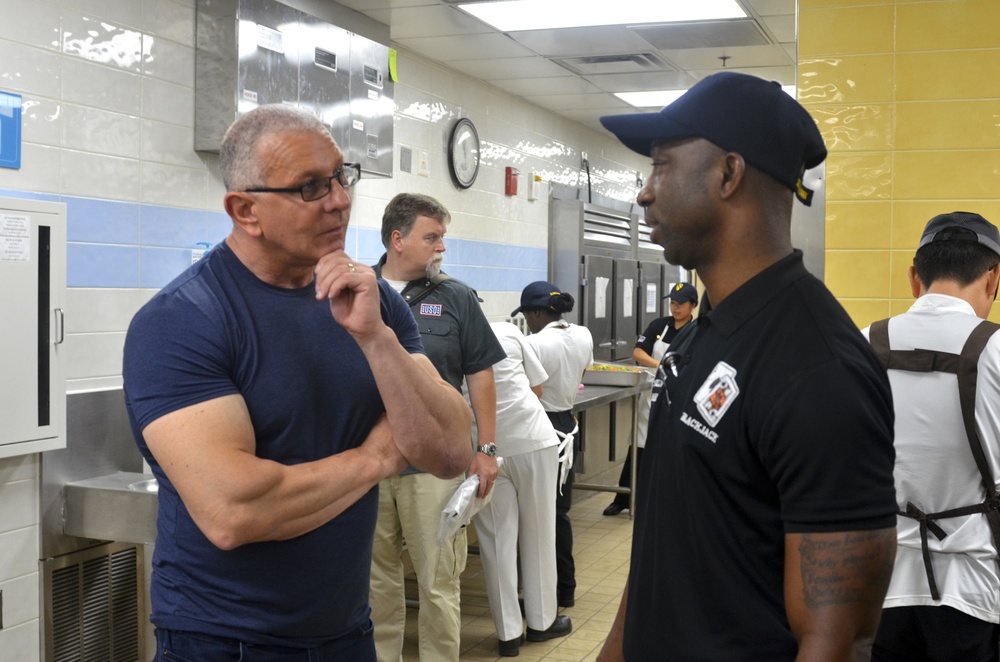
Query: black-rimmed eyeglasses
[347,176]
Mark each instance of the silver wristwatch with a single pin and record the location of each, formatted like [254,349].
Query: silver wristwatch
[490,449]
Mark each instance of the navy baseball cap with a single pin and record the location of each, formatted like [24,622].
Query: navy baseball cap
[683,293]
[739,113]
[971,227]
[537,295]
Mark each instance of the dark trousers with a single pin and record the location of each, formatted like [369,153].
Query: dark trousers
[934,634]
[626,478]
[563,421]
[174,646]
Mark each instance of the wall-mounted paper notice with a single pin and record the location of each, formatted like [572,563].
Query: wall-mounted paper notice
[15,238]
[601,297]
[628,308]
[651,297]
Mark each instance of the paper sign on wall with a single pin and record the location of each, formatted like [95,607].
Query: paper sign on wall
[15,238]
[651,297]
[10,130]
[628,306]
[601,297]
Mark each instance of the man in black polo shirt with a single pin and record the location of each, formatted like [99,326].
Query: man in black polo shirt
[765,530]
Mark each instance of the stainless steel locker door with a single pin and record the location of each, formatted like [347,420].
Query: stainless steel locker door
[625,308]
[598,303]
[325,77]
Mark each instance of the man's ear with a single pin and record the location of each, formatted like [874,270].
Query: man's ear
[993,281]
[916,287]
[396,241]
[734,169]
[241,208]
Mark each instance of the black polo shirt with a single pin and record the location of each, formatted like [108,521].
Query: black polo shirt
[780,421]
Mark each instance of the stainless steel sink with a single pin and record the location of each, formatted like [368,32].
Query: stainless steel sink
[121,506]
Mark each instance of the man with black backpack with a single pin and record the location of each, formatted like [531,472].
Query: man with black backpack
[943,601]
[461,345]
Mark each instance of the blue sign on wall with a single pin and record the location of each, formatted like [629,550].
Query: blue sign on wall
[10,130]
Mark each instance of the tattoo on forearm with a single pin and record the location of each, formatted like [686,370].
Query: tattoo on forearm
[851,568]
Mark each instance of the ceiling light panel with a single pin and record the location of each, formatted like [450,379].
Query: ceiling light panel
[511,15]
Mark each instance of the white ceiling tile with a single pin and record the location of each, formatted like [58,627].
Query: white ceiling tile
[568,84]
[504,68]
[440,21]
[781,27]
[366,5]
[579,101]
[657,80]
[770,7]
[582,41]
[461,48]
[739,57]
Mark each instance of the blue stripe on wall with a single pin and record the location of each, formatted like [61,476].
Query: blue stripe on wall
[121,244]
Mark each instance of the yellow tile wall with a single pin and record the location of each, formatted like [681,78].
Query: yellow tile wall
[906,96]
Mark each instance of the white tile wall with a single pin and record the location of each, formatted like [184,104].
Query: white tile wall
[108,112]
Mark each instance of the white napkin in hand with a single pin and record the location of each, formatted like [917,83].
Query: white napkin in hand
[462,506]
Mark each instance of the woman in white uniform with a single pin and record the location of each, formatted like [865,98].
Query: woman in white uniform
[565,351]
[649,349]
[521,514]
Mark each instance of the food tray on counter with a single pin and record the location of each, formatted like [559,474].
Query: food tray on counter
[613,374]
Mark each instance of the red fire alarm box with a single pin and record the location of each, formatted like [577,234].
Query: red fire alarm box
[510,181]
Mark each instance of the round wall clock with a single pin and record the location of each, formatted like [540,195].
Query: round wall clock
[463,152]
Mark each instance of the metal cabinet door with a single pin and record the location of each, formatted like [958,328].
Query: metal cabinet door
[598,303]
[625,307]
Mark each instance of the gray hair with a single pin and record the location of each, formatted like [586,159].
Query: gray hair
[402,211]
[239,162]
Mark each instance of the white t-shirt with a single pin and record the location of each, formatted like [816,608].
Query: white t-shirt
[522,426]
[935,468]
[565,350]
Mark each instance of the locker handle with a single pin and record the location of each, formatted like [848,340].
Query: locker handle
[61,326]
[606,344]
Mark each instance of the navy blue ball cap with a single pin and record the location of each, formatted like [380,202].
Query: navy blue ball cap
[537,295]
[738,113]
[961,226]
[683,293]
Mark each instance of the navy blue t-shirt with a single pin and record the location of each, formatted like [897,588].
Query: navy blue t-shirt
[217,330]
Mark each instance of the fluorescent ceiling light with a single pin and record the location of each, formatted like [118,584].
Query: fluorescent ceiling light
[660,98]
[513,15]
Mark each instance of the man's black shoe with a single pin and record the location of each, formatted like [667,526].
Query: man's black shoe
[559,628]
[510,648]
[614,509]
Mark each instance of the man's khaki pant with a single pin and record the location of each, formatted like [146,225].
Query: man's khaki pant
[410,509]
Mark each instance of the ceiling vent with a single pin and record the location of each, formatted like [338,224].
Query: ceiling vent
[702,34]
[591,65]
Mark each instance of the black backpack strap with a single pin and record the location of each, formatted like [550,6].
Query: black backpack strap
[417,291]
[878,336]
[968,372]
[911,360]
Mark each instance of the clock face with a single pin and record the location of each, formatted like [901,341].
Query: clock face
[463,153]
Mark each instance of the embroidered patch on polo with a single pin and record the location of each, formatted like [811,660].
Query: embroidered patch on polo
[718,393]
[430,309]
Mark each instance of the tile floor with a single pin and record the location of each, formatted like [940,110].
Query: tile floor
[601,546]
